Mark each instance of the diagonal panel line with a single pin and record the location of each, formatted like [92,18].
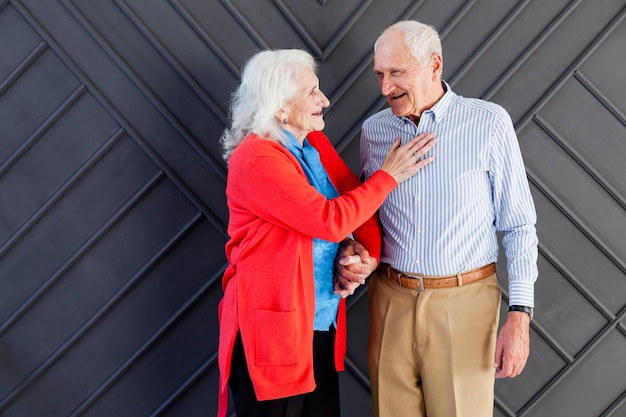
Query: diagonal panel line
[585,352]
[353,133]
[188,383]
[100,98]
[245,25]
[295,25]
[143,87]
[549,338]
[22,66]
[491,39]
[170,59]
[348,82]
[358,374]
[618,403]
[602,98]
[200,371]
[78,254]
[535,325]
[359,293]
[159,334]
[614,321]
[563,207]
[585,292]
[506,411]
[359,70]
[528,52]
[567,73]
[204,36]
[97,316]
[559,204]
[457,18]
[59,193]
[581,161]
[571,277]
[43,128]
[345,28]
[85,247]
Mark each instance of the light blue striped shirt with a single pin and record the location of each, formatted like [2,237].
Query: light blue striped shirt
[444,220]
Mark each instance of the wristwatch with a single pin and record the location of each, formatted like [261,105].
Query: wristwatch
[525,309]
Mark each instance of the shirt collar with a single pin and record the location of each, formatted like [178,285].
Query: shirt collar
[440,109]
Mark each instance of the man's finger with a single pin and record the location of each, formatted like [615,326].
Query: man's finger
[349,260]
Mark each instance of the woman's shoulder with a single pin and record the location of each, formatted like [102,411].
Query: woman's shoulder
[256,147]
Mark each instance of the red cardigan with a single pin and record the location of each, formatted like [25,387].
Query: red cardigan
[274,214]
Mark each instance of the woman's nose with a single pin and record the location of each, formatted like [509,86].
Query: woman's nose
[324,100]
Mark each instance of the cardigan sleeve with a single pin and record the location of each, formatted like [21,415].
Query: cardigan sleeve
[369,234]
[274,188]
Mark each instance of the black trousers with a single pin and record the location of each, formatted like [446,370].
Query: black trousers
[322,402]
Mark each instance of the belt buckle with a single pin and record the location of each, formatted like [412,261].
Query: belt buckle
[419,278]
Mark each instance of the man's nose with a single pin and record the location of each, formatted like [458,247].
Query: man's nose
[386,86]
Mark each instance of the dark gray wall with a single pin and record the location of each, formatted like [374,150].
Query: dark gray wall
[112,208]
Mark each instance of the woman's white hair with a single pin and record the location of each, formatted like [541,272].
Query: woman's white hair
[269,80]
[421,39]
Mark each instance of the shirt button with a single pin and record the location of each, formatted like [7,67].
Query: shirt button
[418,198]
[418,230]
[417,262]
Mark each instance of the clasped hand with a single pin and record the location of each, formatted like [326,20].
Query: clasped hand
[353,265]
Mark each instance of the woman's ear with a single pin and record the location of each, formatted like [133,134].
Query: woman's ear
[281,116]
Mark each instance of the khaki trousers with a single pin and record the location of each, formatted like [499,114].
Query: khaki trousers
[431,353]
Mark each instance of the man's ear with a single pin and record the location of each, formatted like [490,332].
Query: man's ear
[436,65]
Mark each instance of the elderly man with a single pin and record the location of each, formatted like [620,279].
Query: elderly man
[434,298]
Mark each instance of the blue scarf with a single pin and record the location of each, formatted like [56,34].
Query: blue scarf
[324,252]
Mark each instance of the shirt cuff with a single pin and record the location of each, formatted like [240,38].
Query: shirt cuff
[522,293]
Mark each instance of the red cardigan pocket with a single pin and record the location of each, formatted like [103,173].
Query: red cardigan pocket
[275,337]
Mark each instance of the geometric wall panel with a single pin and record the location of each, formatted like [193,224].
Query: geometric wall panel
[113,214]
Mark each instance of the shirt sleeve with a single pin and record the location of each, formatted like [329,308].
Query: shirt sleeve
[514,211]
[366,160]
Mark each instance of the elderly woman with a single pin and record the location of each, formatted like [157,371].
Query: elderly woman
[291,199]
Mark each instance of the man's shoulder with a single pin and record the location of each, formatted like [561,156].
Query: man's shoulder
[480,105]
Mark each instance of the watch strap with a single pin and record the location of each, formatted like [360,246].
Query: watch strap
[524,309]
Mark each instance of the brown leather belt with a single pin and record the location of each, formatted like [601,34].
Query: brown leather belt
[421,282]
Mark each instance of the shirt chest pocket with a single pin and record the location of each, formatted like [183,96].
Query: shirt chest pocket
[468,184]
[471,187]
